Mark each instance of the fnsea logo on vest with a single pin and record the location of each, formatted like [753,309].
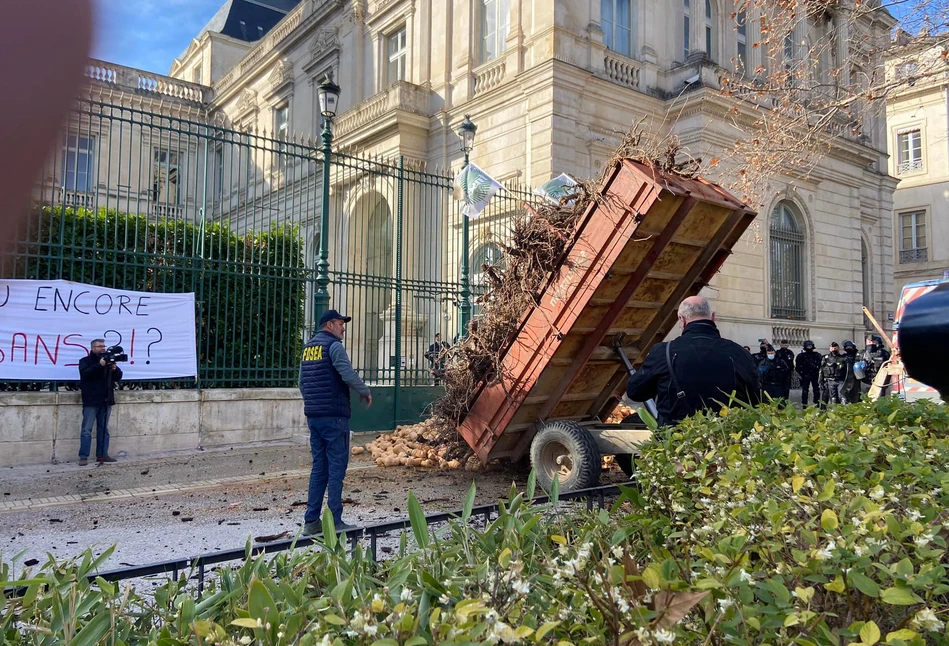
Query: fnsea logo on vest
[314,353]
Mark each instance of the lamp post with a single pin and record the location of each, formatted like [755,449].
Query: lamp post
[466,131]
[328,93]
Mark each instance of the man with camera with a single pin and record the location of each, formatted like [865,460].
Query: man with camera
[98,373]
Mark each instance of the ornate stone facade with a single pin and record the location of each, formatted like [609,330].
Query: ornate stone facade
[549,95]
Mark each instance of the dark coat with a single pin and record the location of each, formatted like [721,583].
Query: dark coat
[787,354]
[707,367]
[807,363]
[774,372]
[97,382]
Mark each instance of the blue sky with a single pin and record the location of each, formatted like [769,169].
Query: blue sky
[148,34]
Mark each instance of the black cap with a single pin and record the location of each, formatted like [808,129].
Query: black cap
[834,344]
[332,315]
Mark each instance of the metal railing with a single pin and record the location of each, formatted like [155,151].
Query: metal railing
[198,565]
[184,205]
[908,256]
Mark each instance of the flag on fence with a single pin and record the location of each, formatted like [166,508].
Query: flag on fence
[557,189]
[475,188]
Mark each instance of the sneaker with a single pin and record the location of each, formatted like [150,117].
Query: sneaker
[311,529]
[83,462]
[106,459]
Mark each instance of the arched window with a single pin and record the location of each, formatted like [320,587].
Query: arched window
[788,240]
[616,18]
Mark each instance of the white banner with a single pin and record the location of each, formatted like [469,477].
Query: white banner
[46,327]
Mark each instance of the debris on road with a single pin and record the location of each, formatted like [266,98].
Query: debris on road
[271,537]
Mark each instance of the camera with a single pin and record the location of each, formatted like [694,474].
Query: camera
[115,354]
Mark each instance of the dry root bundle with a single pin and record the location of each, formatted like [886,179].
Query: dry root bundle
[433,443]
[537,246]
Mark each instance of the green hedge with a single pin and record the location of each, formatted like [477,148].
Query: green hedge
[250,288]
[749,527]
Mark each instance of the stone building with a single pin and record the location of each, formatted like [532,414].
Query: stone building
[918,141]
[551,87]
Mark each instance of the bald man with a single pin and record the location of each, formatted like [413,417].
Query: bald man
[696,371]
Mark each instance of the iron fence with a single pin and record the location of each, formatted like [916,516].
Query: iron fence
[197,566]
[149,202]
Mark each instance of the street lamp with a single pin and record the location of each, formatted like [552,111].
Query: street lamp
[328,93]
[466,131]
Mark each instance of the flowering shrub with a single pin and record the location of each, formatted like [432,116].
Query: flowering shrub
[747,527]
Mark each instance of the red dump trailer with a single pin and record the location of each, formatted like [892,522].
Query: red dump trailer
[654,239]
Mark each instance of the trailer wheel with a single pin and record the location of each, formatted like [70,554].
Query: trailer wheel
[567,450]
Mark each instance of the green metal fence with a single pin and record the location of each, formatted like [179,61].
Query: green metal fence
[138,200]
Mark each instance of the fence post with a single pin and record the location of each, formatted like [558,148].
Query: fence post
[400,194]
[322,301]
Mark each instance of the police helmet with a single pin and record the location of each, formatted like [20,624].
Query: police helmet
[849,344]
[808,344]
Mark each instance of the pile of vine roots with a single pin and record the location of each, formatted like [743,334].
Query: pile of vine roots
[433,443]
[537,246]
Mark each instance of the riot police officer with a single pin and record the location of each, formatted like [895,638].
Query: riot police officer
[850,391]
[807,366]
[774,374]
[832,373]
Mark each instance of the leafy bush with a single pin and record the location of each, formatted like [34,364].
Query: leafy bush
[750,527]
[250,288]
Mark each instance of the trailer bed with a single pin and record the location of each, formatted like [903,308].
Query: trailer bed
[652,241]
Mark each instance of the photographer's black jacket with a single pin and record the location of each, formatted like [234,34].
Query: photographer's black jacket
[96,381]
[707,367]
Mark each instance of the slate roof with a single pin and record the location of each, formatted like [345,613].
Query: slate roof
[249,20]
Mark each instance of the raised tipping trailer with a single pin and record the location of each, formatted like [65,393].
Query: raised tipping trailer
[654,239]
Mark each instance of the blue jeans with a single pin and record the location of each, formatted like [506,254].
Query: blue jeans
[98,415]
[329,444]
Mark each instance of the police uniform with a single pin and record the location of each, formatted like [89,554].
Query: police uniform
[832,373]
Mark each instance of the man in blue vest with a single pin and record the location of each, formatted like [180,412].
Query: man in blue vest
[326,375]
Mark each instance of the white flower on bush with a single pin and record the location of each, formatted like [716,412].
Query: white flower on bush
[923,540]
[827,551]
[860,550]
[326,641]
[877,493]
[406,595]
[664,636]
[913,515]
[926,619]
[744,576]
[618,552]
[521,587]
[725,604]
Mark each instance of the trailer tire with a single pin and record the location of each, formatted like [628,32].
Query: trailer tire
[570,452]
